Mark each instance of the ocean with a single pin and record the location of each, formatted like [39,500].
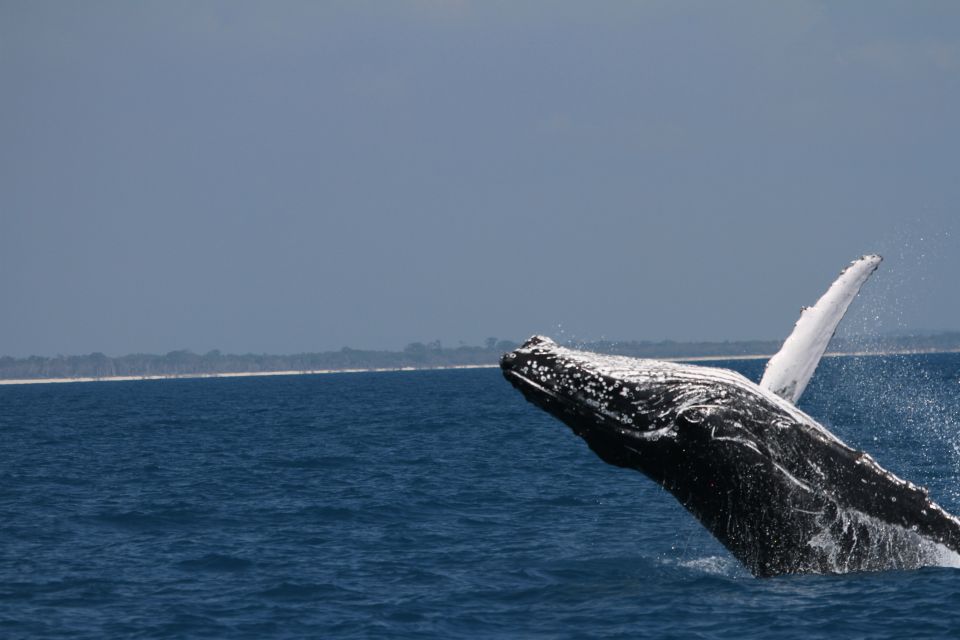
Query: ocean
[428,504]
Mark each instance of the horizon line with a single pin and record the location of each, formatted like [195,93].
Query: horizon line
[254,374]
[437,345]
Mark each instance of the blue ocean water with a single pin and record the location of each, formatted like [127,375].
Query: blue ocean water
[434,504]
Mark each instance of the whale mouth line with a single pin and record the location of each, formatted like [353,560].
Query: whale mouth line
[530,383]
[602,420]
[527,386]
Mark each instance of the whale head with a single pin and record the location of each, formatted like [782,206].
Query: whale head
[585,391]
[626,407]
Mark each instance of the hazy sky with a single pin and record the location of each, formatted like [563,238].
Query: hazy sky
[286,176]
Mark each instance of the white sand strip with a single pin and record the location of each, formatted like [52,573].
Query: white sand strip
[250,374]
[238,374]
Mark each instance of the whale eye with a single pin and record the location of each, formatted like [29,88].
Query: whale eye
[690,417]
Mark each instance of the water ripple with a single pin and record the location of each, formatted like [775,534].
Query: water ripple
[420,505]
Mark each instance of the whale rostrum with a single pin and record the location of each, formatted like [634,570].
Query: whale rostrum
[775,487]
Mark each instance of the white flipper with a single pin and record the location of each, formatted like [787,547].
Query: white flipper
[789,371]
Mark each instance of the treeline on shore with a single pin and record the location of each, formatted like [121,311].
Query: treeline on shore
[418,355]
[184,362]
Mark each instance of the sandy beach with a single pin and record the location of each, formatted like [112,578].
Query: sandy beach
[237,374]
[251,374]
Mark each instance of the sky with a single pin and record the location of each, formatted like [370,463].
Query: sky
[302,176]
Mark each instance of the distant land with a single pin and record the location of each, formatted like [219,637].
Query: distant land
[418,355]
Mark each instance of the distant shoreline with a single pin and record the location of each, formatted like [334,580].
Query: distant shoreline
[237,374]
[252,374]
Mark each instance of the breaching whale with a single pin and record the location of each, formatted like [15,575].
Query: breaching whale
[776,488]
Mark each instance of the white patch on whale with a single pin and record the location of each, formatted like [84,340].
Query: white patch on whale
[789,371]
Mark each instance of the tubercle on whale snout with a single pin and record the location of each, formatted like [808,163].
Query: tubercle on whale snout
[549,378]
[535,344]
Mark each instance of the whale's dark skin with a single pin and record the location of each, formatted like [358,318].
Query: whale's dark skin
[776,488]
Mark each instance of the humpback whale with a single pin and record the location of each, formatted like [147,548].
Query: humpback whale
[776,488]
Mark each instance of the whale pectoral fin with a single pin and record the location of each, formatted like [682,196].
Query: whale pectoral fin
[788,372]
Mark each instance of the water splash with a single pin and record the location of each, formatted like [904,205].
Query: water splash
[912,409]
[910,401]
[854,541]
[713,565]
[903,286]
